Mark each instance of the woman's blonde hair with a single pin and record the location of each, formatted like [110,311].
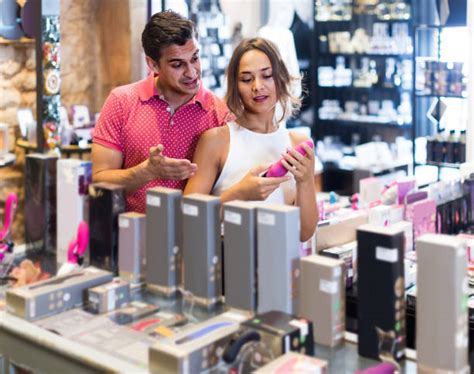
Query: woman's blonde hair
[290,103]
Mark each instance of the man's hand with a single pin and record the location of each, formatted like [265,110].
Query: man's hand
[162,167]
[255,187]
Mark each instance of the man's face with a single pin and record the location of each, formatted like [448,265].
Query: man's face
[179,69]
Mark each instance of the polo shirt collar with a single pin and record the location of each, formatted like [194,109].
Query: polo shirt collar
[147,90]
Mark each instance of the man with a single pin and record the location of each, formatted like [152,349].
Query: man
[148,130]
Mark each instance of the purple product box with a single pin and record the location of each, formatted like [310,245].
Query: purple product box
[423,216]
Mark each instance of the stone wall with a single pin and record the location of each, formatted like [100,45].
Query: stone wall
[95,57]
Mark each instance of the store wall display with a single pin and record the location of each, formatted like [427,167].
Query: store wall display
[441,91]
[107,202]
[442,302]
[131,252]
[202,247]
[73,179]
[40,202]
[215,40]
[278,258]
[381,293]
[364,70]
[164,240]
[240,254]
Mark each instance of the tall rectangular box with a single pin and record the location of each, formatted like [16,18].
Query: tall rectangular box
[73,179]
[164,239]
[40,202]
[202,248]
[381,289]
[131,252]
[441,305]
[278,258]
[322,298]
[240,255]
[106,203]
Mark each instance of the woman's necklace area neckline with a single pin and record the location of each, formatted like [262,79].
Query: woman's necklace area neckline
[276,127]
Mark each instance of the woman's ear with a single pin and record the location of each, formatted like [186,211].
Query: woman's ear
[152,65]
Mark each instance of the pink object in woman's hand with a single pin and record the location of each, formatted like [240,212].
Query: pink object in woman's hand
[278,170]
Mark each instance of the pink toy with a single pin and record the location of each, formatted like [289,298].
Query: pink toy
[278,170]
[76,250]
[6,243]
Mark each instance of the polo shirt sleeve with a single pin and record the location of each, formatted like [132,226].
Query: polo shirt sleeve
[108,129]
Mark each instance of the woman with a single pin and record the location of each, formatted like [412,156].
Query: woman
[232,158]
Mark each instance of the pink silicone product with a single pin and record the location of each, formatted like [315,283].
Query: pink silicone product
[78,247]
[278,170]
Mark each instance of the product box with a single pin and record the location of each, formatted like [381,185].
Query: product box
[164,243]
[278,258]
[381,293]
[441,305]
[294,363]
[344,253]
[131,246]
[106,203]
[397,213]
[240,255]
[407,228]
[40,202]
[109,296]
[73,179]
[283,332]
[370,191]
[322,298]
[202,248]
[422,214]
[404,187]
[54,295]
[333,233]
[196,348]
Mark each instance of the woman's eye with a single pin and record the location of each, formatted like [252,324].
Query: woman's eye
[268,76]
[245,80]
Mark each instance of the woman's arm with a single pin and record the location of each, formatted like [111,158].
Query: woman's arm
[207,156]
[302,167]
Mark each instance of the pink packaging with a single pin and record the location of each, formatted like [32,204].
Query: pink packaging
[422,214]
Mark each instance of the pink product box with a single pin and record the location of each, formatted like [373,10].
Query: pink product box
[405,185]
[422,214]
[370,191]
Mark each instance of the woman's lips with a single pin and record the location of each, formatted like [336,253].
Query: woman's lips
[260,98]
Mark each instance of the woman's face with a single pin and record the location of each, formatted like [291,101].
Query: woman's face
[255,82]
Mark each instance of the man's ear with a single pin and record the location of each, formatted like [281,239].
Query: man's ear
[152,65]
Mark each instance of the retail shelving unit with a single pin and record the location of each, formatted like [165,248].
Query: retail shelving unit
[435,81]
[362,68]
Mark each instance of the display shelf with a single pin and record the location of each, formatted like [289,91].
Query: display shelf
[418,94]
[365,123]
[400,56]
[440,164]
[393,70]
[431,71]
[22,41]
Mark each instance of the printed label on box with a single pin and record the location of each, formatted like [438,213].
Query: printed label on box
[232,217]
[153,200]
[190,210]
[386,254]
[266,219]
[328,286]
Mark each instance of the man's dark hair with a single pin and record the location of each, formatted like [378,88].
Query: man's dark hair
[164,29]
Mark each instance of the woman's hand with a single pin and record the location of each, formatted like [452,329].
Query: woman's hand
[301,166]
[254,187]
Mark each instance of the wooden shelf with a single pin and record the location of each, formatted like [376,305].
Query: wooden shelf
[22,41]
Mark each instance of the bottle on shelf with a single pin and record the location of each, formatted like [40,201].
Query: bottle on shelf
[462,147]
[450,142]
[439,147]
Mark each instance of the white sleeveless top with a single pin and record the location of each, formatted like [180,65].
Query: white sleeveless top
[248,149]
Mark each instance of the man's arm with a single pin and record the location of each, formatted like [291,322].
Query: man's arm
[107,167]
